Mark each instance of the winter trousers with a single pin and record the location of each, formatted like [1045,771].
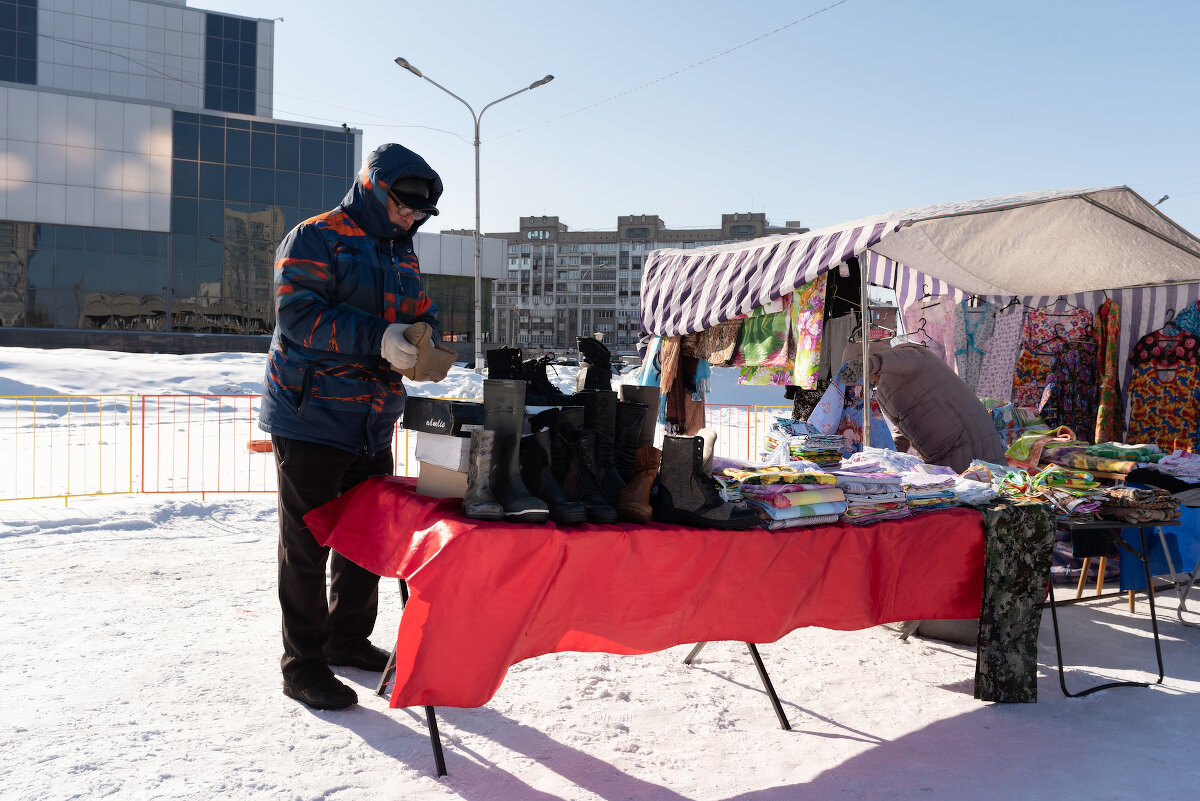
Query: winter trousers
[314,626]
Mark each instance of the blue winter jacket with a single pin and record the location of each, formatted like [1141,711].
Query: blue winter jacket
[340,279]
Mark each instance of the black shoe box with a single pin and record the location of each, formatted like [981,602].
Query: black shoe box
[442,416]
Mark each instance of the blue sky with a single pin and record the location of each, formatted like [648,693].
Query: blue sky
[869,106]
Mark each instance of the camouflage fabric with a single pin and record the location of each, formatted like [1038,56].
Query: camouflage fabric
[1019,538]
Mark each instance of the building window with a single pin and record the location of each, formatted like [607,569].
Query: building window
[637,233]
[741,230]
[537,234]
[18,41]
[230,64]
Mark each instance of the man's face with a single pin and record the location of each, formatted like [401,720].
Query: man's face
[398,214]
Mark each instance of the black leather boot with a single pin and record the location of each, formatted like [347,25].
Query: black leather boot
[595,368]
[504,413]
[627,436]
[541,391]
[689,496]
[535,470]
[504,364]
[650,397]
[479,502]
[600,417]
[573,462]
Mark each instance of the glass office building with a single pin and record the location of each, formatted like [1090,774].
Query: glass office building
[145,184]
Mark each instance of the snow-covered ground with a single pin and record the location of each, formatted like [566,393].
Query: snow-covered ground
[140,661]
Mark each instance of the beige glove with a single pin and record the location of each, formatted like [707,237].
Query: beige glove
[396,349]
[433,361]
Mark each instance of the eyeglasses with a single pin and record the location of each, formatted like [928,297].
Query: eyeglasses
[403,210]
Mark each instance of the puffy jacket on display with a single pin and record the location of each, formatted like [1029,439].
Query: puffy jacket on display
[340,279]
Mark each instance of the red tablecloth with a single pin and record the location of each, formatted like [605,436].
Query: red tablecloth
[484,595]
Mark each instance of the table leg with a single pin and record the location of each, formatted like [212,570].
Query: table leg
[1182,593]
[770,688]
[439,759]
[695,652]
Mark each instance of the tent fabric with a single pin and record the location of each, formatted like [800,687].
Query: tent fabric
[1035,246]
[486,595]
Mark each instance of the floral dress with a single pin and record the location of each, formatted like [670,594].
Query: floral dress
[808,320]
[973,327]
[1043,336]
[1164,392]
[931,322]
[1072,391]
[996,369]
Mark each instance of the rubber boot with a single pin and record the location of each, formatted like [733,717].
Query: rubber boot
[504,364]
[542,391]
[650,397]
[600,417]
[630,415]
[573,460]
[479,502]
[504,413]
[689,496]
[536,472]
[633,502]
[595,368]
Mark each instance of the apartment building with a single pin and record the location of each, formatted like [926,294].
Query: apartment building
[562,284]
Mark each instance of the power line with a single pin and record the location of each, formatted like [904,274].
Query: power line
[679,71]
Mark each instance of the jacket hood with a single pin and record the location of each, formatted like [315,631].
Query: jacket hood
[366,201]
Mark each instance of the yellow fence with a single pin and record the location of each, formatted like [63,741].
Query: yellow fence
[70,446]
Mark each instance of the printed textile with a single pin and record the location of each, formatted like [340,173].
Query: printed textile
[1072,393]
[996,369]
[1164,392]
[1018,541]
[1044,335]
[716,345]
[764,338]
[1189,319]
[808,319]
[931,322]
[973,327]
[1110,409]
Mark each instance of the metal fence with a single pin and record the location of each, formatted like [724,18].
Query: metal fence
[70,446]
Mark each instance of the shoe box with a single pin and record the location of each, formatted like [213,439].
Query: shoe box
[442,416]
[450,453]
[438,482]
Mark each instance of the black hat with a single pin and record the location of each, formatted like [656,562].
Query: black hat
[414,193]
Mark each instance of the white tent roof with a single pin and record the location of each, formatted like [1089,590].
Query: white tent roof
[1039,244]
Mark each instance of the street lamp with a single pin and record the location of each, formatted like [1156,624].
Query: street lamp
[478,271]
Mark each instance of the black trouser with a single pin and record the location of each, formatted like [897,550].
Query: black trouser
[313,626]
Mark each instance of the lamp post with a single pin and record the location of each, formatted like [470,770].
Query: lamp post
[478,270]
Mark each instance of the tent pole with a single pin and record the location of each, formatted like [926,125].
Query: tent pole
[866,352]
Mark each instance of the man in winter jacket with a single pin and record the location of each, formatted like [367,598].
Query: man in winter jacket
[347,284]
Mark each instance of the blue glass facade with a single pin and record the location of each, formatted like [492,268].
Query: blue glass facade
[18,41]
[230,63]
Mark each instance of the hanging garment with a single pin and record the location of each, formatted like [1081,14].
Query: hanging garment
[808,320]
[937,332]
[764,340]
[716,345]
[1164,392]
[1072,393]
[1044,335]
[996,369]
[1188,319]
[834,337]
[973,327]
[1110,410]
[804,401]
[670,352]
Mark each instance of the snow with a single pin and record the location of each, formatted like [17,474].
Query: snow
[140,660]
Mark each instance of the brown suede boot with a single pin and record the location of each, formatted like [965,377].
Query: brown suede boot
[633,502]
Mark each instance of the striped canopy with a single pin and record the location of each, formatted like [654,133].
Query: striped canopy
[1035,246]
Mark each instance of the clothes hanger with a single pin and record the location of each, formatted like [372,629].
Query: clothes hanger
[1066,305]
[1170,328]
[1057,336]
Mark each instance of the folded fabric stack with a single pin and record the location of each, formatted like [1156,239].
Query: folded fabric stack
[881,459]
[809,514]
[777,474]
[824,449]
[1139,505]
[1132,453]
[972,492]
[872,496]
[927,491]
[1184,465]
